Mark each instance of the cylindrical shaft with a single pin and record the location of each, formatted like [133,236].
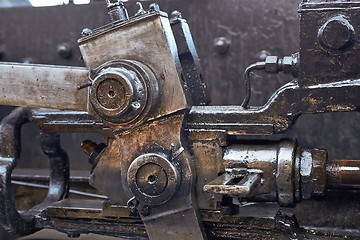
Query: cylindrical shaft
[343,174]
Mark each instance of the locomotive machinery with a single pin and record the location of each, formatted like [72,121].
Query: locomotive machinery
[171,166]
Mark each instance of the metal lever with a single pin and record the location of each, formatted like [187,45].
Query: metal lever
[235,182]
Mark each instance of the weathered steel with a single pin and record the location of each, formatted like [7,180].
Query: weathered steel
[154,157]
[43,86]
[11,219]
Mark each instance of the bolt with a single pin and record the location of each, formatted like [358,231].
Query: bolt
[336,34]
[64,50]
[221,45]
[86,32]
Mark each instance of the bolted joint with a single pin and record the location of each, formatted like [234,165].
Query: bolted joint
[273,64]
[290,64]
[123,92]
[313,173]
[287,65]
[153,179]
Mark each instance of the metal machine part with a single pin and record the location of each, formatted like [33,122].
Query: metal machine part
[284,173]
[168,163]
[122,91]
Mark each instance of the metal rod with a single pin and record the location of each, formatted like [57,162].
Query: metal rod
[255,66]
[35,185]
[343,174]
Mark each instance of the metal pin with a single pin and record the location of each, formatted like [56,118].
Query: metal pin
[85,85]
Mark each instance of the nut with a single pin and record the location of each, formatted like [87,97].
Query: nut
[271,64]
[313,173]
[287,64]
[318,173]
[290,64]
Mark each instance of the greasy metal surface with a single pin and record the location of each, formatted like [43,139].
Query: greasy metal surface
[344,173]
[11,219]
[281,111]
[164,136]
[43,86]
[189,59]
[328,41]
[153,44]
[124,92]
[258,99]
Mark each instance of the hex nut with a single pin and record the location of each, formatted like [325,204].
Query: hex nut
[313,173]
[305,174]
[287,64]
[271,64]
[318,172]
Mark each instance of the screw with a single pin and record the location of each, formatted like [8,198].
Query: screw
[221,45]
[64,50]
[86,32]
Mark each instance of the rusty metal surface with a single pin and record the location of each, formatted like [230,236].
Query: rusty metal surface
[50,87]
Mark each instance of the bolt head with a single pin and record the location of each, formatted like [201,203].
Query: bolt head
[64,50]
[86,32]
[221,45]
[336,34]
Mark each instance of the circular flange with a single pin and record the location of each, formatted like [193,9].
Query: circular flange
[122,91]
[152,179]
[285,174]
